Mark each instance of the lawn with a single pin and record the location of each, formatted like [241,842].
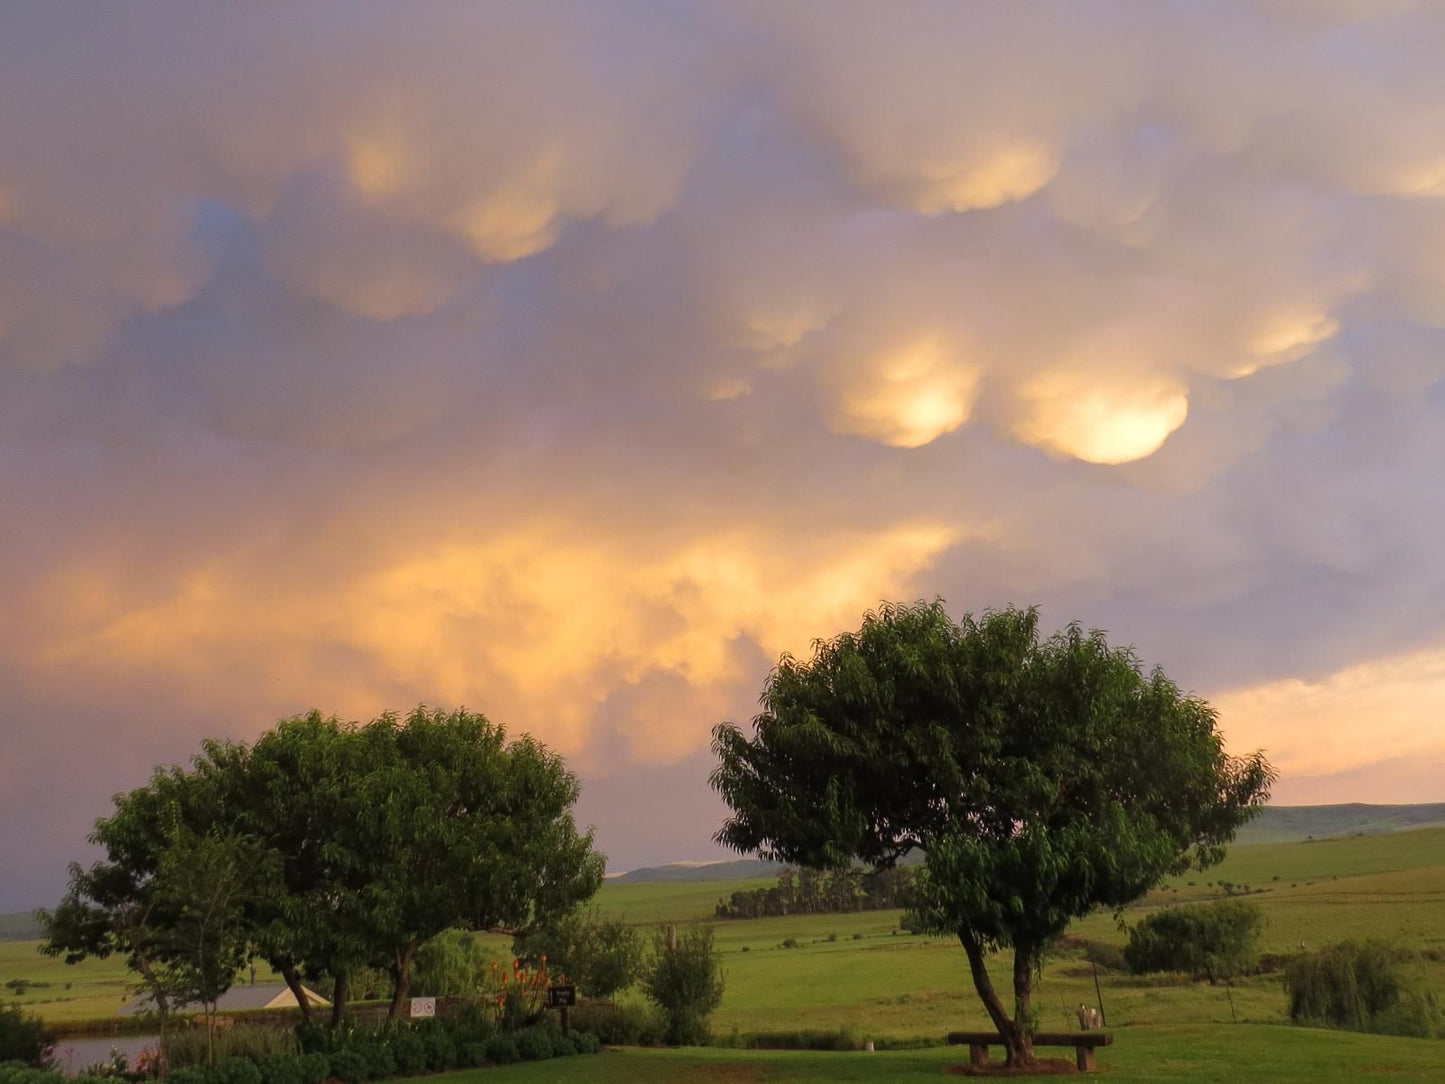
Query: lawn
[1219,1054]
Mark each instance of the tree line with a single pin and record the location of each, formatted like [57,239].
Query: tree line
[326,848]
[806,891]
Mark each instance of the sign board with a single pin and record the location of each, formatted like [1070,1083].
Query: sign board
[561,997]
[423,1006]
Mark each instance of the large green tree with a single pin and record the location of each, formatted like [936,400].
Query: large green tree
[368,841]
[1040,777]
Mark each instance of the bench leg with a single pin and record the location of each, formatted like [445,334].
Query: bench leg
[977,1055]
[1084,1056]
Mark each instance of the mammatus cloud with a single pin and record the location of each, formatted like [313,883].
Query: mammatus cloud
[574,363]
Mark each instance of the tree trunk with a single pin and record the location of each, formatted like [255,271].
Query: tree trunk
[401,975]
[293,981]
[1023,1003]
[338,998]
[1017,1041]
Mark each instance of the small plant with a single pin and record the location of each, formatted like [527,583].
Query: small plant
[686,983]
[790,942]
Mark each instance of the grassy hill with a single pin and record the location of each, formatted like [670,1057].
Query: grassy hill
[1282,824]
[20,926]
[681,872]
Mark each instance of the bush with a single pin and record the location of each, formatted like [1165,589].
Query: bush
[190,1074]
[409,1052]
[17,1072]
[472,1055]
[348,1066]
[503,1050]
[22,1037]
[473,1024]
[801,1039]
[686,983]
[235,1070]
[602,956]
[441,1051]
[379,1057]
[1362,986]
[586,1042]
[1212,941]
[282,1069]
[534,1044]
[620,1025]
[314,1068]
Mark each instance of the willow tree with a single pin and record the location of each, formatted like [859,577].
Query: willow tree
[1041,778]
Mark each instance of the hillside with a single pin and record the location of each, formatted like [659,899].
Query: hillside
[1290,823]
[20,926]
[681,872]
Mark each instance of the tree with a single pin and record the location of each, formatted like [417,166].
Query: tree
[367,841]
[1208,941]
[602,956]
[452,963]
[1040,778]
[685,981]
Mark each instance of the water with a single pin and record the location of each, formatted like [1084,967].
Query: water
[75,1055]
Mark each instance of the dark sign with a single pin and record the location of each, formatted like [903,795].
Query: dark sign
[560,997]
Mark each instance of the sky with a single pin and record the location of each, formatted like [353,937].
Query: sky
[571,362]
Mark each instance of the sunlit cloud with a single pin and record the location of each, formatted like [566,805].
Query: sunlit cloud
[1069,412]
[574,362]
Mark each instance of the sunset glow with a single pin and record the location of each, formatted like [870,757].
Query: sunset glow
[572,362]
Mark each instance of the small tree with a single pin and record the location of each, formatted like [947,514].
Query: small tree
[602,956]
[1040,778]
[685,980]
[1210,941]
[452,963]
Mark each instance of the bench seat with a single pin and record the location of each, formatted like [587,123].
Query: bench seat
[1083,1042]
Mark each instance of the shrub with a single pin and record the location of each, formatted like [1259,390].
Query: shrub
[17,1072]
[586,1042]
[441,1051]
[379,1058]
[503,1050]
[282,1069]
[314,1068]
[790,942]
[1362,986]
[686,983]
[472,1055]
[602,956]
[190,1074]
[1212,941]
[472,1024]
[534,1044]
[348,1066]
[409,1052]
[620,1025]
[235,1070]
[22,1037]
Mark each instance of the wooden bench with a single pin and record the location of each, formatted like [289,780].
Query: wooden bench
[1083,1042]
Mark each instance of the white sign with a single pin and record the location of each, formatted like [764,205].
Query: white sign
[423,1006]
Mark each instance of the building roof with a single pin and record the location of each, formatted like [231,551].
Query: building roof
[239,998]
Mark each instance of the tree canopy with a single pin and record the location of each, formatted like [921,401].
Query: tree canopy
[1040,777]
[365,841]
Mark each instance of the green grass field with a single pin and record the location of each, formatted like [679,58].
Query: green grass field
[861,973]
[1195,1055]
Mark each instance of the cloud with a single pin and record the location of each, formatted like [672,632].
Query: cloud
[574,362]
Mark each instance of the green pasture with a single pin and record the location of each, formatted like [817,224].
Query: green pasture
[860,972]
[1192,1054]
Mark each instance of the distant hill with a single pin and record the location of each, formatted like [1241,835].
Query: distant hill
[20,926]
[677,872]
[1289,823]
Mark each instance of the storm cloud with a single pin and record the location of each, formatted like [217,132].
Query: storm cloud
[573,361]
